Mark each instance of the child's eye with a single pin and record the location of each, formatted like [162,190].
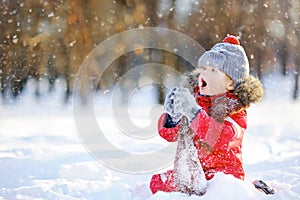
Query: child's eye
[213,70]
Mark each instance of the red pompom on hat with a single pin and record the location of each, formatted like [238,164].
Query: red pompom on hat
[232,40]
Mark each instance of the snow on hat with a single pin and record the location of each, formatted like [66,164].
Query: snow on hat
[229,57]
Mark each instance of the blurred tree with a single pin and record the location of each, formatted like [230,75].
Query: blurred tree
[296,88]
[293,38]
[44,39]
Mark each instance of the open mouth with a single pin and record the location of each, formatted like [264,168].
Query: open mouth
[203,83]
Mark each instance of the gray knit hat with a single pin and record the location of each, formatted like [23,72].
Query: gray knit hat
[228,57]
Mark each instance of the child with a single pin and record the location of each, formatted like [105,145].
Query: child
[214,101]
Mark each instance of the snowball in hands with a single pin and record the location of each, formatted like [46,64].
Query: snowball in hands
[184,103]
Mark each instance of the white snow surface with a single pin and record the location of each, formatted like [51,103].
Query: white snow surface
[42,157]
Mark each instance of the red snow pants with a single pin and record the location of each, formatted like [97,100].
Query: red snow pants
[163,182]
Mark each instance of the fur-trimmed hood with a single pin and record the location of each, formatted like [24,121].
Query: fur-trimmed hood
[248,92]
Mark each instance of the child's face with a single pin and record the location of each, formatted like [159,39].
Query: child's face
[213,81]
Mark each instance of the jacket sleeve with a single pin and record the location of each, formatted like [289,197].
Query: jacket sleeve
[168,129]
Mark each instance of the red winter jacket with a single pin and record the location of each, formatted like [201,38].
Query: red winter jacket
[218,143]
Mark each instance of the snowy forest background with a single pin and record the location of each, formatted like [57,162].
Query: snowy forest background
[48,40]
[43,44]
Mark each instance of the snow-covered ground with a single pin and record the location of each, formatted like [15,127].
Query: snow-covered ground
[42,155]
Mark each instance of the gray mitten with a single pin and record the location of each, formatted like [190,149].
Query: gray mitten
[184,103]
[169,106]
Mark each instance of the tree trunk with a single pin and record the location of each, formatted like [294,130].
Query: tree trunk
[296,88]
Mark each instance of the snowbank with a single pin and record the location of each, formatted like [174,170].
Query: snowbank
[41,155]
[220,187]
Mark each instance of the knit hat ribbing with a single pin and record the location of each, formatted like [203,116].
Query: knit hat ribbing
[228,57]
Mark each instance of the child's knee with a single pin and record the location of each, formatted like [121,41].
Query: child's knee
[155,183]
[163,182]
